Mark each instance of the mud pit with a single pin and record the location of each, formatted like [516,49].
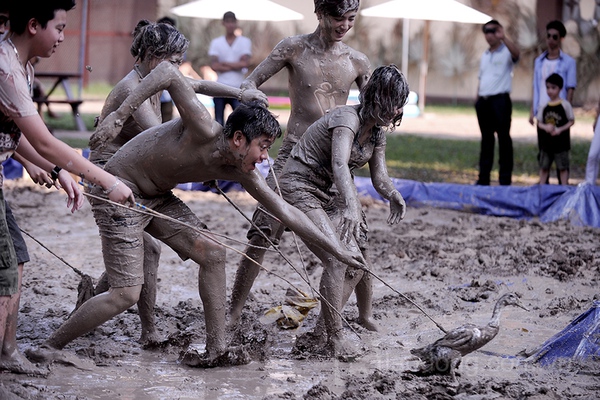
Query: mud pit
[454,264]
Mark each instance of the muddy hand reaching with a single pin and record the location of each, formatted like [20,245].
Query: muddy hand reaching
[248,95]
[397,209]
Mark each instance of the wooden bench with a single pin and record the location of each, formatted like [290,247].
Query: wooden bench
[61,78]
[74,108]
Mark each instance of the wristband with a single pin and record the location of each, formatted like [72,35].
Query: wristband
[54,172]
[240,94]
[110,189]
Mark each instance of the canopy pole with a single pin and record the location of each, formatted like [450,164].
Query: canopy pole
[405,38]
[82,44]
[424,67]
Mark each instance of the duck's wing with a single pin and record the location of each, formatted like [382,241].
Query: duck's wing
[459,337]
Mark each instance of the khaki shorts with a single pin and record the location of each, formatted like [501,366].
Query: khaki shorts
[307,195]
[17,237]
[122,232]
[9,272]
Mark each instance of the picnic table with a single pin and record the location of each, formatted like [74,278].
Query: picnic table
[61,78]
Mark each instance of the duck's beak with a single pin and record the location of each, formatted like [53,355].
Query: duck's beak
[520,305]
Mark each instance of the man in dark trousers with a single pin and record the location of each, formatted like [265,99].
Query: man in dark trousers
[494,106]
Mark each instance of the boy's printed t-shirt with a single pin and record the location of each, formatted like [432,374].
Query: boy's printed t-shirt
[557,113]
[15,99]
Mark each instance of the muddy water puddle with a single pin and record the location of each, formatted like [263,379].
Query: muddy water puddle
[151,376]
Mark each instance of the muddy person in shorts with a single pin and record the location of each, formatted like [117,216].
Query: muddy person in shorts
[152,44]
[321,71]
[332,148]
[193,148]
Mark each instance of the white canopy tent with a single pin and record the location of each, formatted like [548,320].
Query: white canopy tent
[427,10]
[245,10]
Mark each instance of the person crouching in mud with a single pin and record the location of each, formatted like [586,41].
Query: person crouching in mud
[318,179]
[193,148]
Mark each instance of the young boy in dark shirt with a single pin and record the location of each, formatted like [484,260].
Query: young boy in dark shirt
[554,121]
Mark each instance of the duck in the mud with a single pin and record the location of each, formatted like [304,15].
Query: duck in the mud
[444,355]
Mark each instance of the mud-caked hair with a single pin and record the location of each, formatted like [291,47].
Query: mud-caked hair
[385,92]
[253,120]
[159,40]
[22,11]
[335,8]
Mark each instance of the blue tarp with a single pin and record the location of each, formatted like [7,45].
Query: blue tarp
[12,169]
[578,204]
[578,341]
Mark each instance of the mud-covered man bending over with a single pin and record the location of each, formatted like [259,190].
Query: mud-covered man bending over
[321,71]
[152,44]
[193,148]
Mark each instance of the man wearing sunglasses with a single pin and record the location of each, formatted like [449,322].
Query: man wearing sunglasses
[551,61]
[493,105]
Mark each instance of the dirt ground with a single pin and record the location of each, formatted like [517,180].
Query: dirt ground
[454,264]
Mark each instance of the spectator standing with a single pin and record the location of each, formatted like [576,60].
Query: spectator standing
[493,105]
[551,61]
[554,120]
[229,58]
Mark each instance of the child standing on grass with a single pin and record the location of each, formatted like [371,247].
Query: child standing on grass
[554,121]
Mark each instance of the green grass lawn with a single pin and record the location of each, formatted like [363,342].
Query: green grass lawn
[449,160]
[421,158]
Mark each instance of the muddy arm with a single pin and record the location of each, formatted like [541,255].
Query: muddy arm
[385,187]
[341,147]
[275,62]
[297,221]
[363,67]
[216,89]
[165,76]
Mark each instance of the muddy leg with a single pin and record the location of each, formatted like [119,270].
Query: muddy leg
[90,315]
[244,277]
[147,299]
[211,285]
[331,289]
[364,301]
[351,279]
[11,359]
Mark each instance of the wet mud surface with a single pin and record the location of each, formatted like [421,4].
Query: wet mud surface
[455,265]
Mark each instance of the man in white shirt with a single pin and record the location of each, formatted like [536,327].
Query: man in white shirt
[229,58]
[494,106]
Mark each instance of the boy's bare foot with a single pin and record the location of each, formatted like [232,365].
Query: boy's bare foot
[18,364]
[48,355]
[343,349]
[152,340]
[368,324]
[230,357]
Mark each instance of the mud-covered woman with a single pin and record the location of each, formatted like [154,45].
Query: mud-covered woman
[325,157]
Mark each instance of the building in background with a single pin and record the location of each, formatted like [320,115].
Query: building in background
[453,52]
